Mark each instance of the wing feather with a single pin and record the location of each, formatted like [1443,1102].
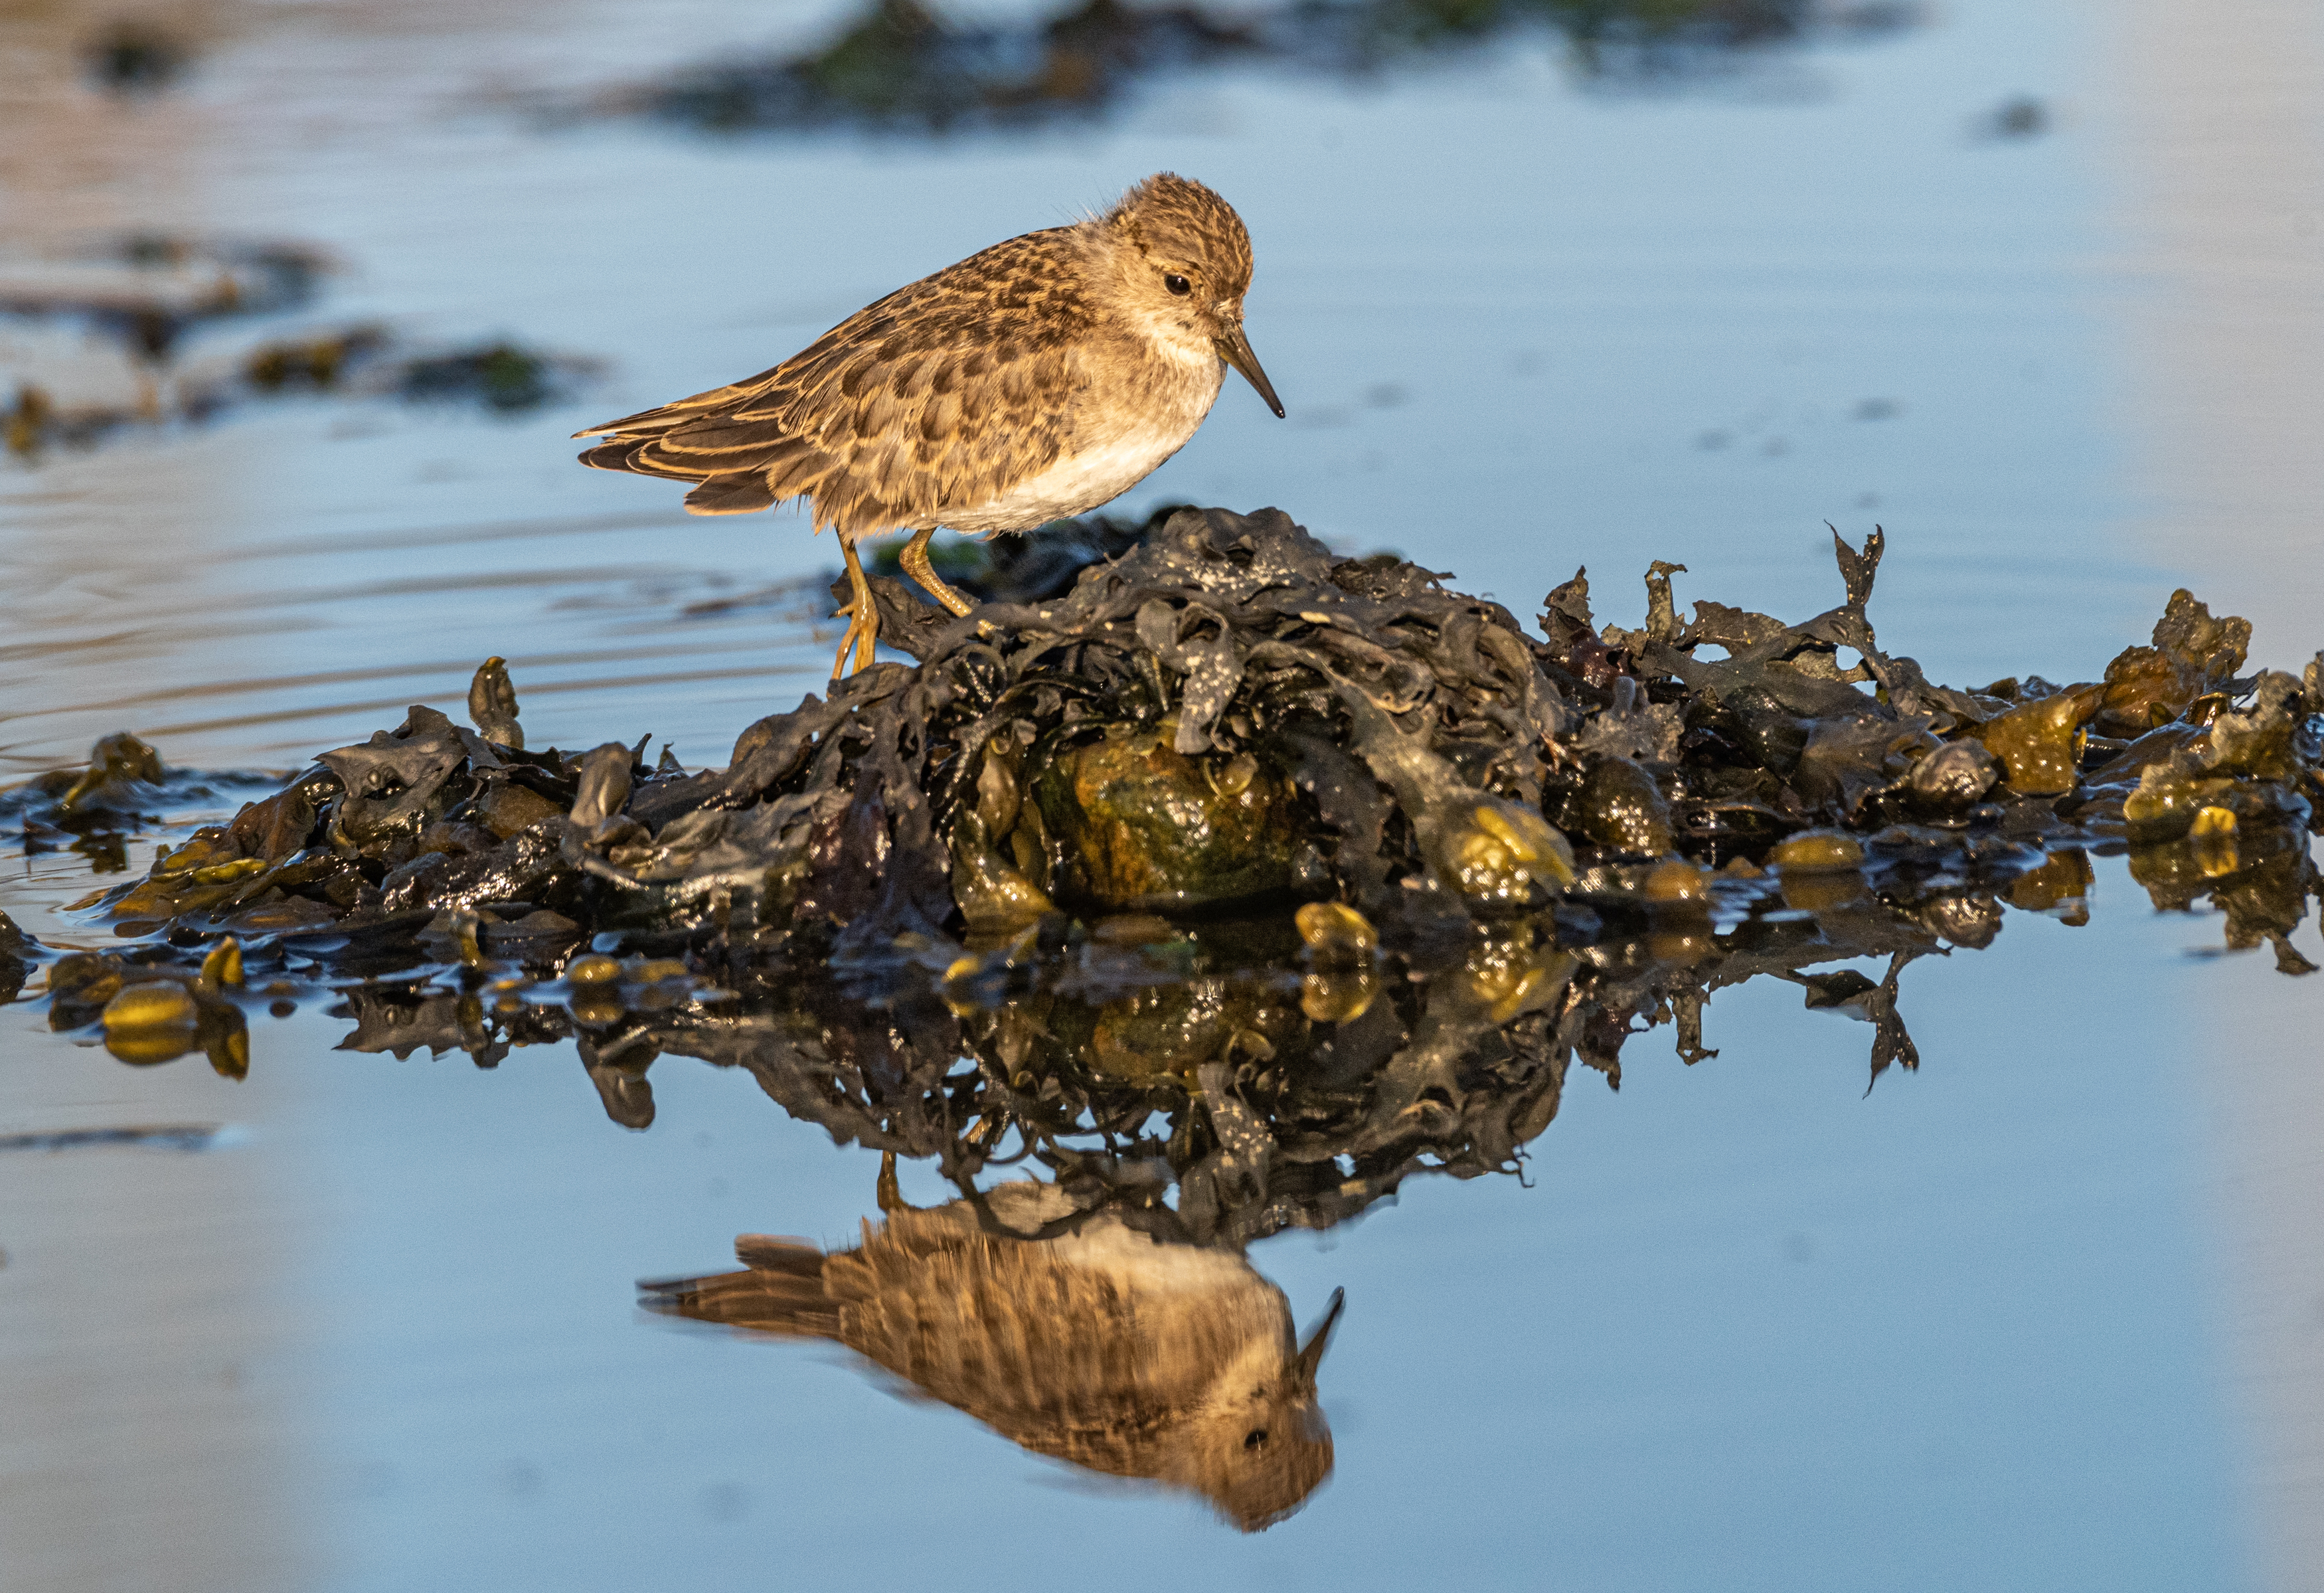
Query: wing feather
[941,396]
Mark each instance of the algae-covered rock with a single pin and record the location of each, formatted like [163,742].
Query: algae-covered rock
[1174,1030]
[1498,854]
[1620,807]
[1817,851]
[1134,824]
[1954,775]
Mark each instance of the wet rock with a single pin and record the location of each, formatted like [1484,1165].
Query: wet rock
[1134,824]
[1225,719]
[1620,807]
[1955,776]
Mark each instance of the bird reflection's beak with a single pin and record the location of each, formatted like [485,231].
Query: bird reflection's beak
[1311,1354]
[1235,349]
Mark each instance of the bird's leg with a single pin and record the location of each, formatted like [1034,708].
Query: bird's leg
[863,612]
[915,561]
[891,1198]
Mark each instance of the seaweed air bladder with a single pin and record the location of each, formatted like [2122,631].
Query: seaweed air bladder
[1030,382]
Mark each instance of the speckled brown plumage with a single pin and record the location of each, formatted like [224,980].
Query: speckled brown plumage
[1102,1345]
[1036,379]
[946,392]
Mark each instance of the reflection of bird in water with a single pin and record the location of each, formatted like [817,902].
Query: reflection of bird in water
[1027,383]
[1104,1338]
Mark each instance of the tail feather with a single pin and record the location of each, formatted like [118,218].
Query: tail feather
[782,1293]
[730,494]
[629,453]
[663,417]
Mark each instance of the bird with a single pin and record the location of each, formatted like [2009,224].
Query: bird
[1103,1336]
[1030,382]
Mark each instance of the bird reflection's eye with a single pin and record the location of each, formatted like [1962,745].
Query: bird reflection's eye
[1254,1438]
[1178,284]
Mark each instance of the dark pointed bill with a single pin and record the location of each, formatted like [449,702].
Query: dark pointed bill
[1235,349]
[1311,1354]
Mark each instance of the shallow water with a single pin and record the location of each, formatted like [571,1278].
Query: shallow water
[2044,1314]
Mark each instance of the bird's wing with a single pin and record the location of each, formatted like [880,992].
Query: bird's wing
[942,395]
[1042,1353]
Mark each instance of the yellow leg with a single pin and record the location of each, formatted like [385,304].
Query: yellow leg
[891,1198]
[862,616]
[916,565]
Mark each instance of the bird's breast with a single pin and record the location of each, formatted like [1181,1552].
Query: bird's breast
[1121,431]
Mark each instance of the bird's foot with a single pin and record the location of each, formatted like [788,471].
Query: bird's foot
[914,560]
[863,636]
[863,612]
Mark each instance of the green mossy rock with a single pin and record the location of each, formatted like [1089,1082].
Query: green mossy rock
[1135,825]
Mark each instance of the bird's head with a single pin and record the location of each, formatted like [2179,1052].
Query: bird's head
[1259,1449]
[1183,264]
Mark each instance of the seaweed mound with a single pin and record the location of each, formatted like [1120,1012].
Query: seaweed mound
[1289,873]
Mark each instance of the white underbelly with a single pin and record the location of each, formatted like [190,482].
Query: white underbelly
[1076,483]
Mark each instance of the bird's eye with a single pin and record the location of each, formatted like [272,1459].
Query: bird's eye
[1178,284]
[1254,1438]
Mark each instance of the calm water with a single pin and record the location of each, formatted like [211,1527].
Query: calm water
[2048,1315]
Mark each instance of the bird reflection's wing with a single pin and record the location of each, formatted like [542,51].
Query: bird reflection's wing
[942,395]
[1049,1356]
[1064,1357]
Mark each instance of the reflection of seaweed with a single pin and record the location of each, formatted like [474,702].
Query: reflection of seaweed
[1512,852]
[902,66]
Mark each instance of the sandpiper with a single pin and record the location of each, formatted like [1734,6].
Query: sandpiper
[1027,383]
[1100,1337]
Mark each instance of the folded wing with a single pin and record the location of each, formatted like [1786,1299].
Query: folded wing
[940,397]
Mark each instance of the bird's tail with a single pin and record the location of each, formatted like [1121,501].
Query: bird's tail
[782,1291]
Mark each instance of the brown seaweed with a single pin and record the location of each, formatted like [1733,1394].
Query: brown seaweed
[1293,874]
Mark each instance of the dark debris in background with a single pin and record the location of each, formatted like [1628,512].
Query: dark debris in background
[903,67]
[155,296]
[1288,873]
[133,57]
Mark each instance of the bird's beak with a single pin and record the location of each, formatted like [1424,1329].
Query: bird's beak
[1311,1354]
[1235,349]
